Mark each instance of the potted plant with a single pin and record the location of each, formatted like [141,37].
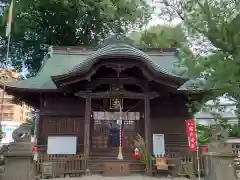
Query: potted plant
[145,156]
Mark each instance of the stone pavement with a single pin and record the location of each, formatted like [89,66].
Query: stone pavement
[132,177]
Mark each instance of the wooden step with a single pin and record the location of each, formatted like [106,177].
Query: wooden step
[99,168]
[98,161]
[110,157]
[111,153]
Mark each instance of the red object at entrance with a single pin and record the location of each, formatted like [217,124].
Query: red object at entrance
[136,156]
[34,150]
[205,149]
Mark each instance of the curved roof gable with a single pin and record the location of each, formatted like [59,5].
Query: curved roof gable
[118,50]
[115,46]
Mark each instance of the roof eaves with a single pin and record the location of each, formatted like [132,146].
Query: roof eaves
[196,84]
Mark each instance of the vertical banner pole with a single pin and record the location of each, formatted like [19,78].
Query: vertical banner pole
[120,156]
[198,158]
[192,140]
[198,163]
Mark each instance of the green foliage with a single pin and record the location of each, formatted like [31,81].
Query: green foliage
[67,23]
[140,143]
[203,134]
[234,131]
[160,36]
[192,105]
[1,132]
[213,27]
[163,36]
[30,123]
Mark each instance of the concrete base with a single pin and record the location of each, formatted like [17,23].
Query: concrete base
[221,168]
[19,162]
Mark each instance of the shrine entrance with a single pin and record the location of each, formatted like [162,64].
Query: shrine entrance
[105,130]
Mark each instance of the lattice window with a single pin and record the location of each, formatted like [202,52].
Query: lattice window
[102,121]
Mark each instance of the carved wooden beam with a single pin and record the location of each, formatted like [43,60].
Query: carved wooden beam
[143,84]
[119,94]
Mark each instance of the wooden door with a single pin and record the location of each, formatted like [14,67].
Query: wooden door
[131,127]
[100,130]
[100,135]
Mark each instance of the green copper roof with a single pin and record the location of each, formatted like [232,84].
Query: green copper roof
[196,84]
[59,64]
[62,63]
[121,50]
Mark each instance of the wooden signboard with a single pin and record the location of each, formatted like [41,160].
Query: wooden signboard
[114,103]
[48,170]
[158,145]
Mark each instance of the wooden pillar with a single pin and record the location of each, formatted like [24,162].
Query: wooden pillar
[148,134]
[87,130]
[40,122]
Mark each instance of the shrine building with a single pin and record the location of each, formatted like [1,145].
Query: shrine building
[87,96]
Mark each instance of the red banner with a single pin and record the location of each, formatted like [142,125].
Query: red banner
[192,135]
[191,127]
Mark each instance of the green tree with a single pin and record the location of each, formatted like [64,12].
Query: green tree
[30,123]
[216,25]
[160,36]
[203,134]
[213,26]
[67,23]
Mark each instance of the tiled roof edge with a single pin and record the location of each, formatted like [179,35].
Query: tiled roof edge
[81,50]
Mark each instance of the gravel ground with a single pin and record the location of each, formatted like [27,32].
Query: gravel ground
[132,177]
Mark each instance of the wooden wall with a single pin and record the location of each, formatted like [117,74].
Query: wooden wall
[65,116]
[168,115]
[61,116]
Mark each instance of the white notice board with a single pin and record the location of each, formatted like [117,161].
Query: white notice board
[62,145]
[158,144]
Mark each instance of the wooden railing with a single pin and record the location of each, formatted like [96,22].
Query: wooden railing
[43,148]
[74,164]
[64,164]
[191,158]
[235,148]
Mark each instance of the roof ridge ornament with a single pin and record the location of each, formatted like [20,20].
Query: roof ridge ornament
[116,39]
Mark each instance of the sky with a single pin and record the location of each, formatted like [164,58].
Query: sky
[155,19]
